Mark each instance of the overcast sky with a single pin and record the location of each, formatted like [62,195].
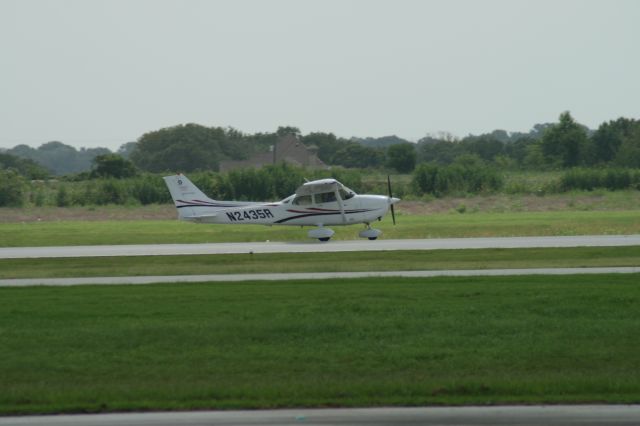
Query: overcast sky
[101,73]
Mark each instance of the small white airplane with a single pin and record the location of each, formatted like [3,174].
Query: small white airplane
[317,203]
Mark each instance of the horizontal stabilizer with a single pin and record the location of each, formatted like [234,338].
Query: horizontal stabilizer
[200,218]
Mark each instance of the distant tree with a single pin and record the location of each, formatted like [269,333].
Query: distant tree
[126,149]
[59,158]
[288,130]
[538,130]
[356,155]
[439,151]
[187,148]
[235,145]
[629,153]
[608,138]
[486,147]
[534,158]
[327,143]
[518,149]
[500,136]
[565,143]
[112,165]
[402,157]
[25,167]
[382,142]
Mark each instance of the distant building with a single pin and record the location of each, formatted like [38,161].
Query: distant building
[288,149]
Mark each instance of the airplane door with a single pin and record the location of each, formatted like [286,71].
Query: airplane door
[350,203]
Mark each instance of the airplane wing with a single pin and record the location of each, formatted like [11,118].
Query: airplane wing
[318,186]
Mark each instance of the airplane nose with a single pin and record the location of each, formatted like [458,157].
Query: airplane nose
[393,200]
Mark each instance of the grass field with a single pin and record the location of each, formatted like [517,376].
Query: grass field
[409,226]
[331,343]
[320,262]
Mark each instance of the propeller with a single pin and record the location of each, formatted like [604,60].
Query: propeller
[391,201]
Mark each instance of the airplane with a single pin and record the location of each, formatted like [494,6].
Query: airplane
[317,203]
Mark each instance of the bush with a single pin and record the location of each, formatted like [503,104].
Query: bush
[62,197]
[149,189]
[12,189]
[467,175]
[111,192]
[590,179]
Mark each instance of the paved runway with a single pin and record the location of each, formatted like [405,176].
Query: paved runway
[136,280]
[449,416]
[315,246]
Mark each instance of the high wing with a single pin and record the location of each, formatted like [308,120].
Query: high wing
[318,186]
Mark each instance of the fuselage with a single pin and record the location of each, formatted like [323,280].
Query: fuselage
[293,210]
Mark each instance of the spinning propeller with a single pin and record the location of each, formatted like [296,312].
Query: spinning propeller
[392,200]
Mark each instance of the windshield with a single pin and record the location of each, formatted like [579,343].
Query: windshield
[346,193]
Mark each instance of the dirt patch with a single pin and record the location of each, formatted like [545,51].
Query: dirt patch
[526,203]
[95,213]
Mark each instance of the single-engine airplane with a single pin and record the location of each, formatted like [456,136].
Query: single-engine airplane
[317,203]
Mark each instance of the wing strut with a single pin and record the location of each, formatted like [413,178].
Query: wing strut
[339,199]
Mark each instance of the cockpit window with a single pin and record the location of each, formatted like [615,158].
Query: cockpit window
[302,200]
[326,197]
[346,195]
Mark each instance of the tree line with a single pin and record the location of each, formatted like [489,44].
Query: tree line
[193,147]
[440,164]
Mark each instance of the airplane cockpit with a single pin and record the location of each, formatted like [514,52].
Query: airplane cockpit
[319,192]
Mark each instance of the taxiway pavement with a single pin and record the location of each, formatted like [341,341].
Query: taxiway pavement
[446,416]
[137,280]
[316,247]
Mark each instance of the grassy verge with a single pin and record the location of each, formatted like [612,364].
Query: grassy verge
[409,226]
[332,343]
[321,262]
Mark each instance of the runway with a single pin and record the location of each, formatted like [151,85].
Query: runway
[317,247]
[447,416]
[139,280]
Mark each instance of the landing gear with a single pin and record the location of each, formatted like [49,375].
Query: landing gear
[370,233]
[321,233]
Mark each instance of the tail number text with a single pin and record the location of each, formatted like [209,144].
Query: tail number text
[249,214]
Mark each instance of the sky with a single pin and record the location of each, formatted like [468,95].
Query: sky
[95,73]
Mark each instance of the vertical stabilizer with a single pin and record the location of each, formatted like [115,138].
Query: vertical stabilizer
[187,197]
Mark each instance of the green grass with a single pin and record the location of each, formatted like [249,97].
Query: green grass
[364,342]
[320,262]
[409,226]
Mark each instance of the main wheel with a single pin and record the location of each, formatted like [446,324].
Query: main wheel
[373,238]
[324,239]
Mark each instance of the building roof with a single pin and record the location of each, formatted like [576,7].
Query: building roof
[288,149]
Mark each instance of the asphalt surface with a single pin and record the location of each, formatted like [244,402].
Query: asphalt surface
[450,416]
[25,282]
[316,246]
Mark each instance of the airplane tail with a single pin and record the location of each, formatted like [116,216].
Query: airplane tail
[189,200]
